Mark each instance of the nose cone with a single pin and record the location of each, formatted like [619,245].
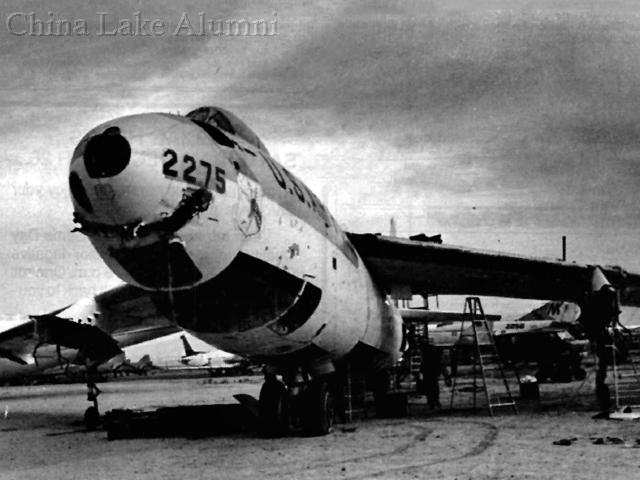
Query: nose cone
[158,198]
[115,175]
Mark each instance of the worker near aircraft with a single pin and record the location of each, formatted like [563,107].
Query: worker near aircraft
[432,368]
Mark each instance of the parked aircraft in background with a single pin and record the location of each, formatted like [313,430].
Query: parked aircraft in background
[445,328]
[74,372]
[544,336]
[214,360]
[210,233]
[121,365]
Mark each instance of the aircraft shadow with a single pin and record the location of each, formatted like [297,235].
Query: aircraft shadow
[181,421]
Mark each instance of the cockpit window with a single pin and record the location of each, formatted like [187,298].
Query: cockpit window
[228,122]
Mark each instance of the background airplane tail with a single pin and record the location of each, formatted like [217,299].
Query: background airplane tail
[188,351]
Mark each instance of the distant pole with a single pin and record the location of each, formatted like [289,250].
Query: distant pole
[564,248]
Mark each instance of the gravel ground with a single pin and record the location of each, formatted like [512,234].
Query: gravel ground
[43,438]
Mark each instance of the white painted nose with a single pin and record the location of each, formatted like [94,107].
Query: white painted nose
[116,171]
[157,196]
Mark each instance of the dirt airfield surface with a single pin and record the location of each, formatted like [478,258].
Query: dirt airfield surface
[43,438]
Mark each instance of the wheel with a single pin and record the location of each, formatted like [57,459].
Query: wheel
[91,418]
[273,416]
[317,411]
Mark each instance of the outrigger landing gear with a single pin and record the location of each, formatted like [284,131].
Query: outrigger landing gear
[304,403]
[92,414]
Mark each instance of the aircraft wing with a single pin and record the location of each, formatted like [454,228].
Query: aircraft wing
[96,327]
[437,317]
[405,267]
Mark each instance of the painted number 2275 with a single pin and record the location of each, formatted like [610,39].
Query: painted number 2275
[192,171]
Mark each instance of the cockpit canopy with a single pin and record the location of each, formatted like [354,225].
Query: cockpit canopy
[228,122]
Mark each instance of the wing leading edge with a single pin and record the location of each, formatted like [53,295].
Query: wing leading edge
[415,267]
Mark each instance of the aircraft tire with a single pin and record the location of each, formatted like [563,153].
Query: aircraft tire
[318,411]
[273,415]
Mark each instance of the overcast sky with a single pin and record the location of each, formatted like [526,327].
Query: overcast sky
[500,125]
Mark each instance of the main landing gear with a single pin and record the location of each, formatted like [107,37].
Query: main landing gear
[300,404]
[273,419]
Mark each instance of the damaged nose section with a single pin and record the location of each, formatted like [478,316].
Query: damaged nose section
[192,204]
[163,264]
[107,154]
[157,199]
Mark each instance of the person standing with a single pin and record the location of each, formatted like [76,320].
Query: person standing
[432,368]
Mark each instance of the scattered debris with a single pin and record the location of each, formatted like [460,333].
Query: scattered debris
[625,413]
[607,440]
[615,440]
[565,441]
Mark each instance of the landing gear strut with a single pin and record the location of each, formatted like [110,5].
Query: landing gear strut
[92,414]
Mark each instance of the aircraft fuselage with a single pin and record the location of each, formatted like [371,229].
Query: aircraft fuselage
[233,247]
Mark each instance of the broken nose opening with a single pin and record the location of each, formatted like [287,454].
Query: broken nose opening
[107,154]
[159,265]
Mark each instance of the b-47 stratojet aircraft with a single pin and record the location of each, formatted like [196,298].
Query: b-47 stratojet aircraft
[207,230]
[215,360]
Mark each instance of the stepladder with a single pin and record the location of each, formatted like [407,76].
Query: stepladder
[625,374]
[476,344]
[354,393]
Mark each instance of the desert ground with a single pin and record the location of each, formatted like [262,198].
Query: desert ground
[43,438]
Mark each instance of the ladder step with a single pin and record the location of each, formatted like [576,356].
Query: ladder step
[504,404]
[468,387]
[491,357]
